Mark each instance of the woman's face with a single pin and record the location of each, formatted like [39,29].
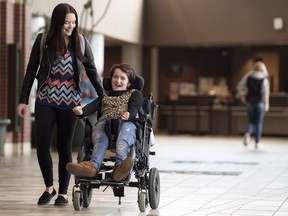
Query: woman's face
[69,24]
[119,80]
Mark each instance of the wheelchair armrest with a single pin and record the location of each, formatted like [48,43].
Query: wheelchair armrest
[148,109]
[147,118]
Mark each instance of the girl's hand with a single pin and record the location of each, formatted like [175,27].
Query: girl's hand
[78,110]
[125,116]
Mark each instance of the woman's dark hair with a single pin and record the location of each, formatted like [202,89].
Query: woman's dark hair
[127,69]
[55,37]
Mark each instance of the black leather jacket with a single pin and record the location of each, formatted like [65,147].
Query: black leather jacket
[42,71]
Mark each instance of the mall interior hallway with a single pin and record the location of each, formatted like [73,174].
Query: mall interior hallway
[200,175]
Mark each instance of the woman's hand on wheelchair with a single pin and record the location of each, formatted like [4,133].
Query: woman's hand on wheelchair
[78,110]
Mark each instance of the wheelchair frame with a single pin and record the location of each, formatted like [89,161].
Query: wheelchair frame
[147,180]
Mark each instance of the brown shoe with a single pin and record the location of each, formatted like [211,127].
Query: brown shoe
[121,171]
[85,168]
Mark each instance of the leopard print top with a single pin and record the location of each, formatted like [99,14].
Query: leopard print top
[115,106]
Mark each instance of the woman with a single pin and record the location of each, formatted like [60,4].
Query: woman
[58,92]
[256,85]
[123,102]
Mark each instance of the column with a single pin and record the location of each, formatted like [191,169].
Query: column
[97,45]
[132,54]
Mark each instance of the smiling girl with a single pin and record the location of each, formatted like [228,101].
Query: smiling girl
[122,102]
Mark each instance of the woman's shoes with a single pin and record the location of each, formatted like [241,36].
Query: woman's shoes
[46,197]
[61,201]
[247,139]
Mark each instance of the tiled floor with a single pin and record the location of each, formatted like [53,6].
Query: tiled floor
[215,176]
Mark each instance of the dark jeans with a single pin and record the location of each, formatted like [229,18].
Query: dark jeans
[255,119]
[45,119]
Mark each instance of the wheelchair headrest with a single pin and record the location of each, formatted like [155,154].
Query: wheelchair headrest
[137,84]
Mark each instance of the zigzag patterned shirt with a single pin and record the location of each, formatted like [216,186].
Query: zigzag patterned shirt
[60,89]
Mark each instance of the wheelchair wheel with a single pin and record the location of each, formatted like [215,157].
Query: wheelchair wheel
[77,200]
[87,195]
[142,201]
[154,188]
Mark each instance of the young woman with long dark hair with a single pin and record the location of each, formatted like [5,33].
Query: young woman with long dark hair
[57,67]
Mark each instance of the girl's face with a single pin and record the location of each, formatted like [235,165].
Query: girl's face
[69,24]
[119,80]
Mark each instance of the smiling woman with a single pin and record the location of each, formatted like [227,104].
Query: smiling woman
[58,92]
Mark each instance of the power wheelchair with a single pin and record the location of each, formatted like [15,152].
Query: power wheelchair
[147,180]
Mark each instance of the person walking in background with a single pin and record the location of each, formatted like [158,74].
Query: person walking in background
[256,88]
[63,52]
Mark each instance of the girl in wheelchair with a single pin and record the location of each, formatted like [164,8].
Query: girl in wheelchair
[123,102]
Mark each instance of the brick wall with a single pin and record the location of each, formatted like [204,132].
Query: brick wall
[4,10]
[15,28]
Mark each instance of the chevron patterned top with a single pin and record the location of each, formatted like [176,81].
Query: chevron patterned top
[60,89]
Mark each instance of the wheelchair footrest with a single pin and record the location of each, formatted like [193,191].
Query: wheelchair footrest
[133,184]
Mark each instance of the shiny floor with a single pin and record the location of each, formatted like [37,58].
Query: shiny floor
[200,175]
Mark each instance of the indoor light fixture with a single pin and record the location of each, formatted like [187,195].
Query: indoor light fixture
[278,23]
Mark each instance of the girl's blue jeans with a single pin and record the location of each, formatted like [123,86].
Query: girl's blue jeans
[255,120]
[126,138]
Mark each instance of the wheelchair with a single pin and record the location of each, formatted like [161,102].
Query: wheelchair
[146,179]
